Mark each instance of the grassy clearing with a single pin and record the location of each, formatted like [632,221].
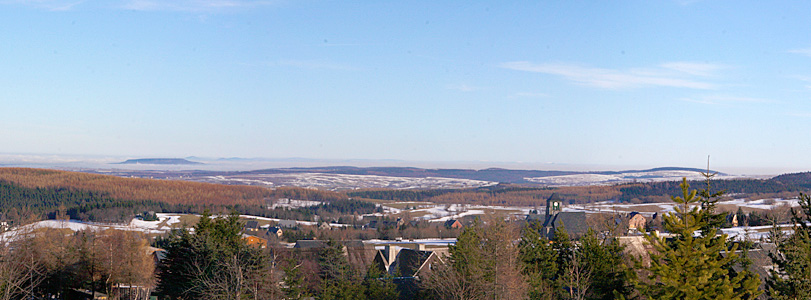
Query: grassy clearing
[188,220]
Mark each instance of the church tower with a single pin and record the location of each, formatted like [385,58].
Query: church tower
[553,205]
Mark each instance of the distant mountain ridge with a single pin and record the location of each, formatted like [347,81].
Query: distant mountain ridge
[491,174]
[161,161]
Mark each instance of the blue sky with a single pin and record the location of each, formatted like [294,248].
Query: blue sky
[614,83]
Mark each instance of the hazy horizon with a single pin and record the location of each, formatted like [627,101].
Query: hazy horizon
[109,162]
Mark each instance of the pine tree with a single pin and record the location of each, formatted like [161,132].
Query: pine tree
[611,276]
[540,262]
[792,277]
[294,281]
[379,285]
[691,266]
[338,279]
[213,263]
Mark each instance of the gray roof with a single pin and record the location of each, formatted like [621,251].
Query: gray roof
[573,221]
[288,223]
[536,218]
[353,244]
[252,224]
[323,244]
[761,262]
[309,244]
[409,262]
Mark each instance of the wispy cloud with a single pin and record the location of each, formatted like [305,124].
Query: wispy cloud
[693,68]
[314,65]
[679,75]
[463,87]
[804,51]
[805,79]
[724,99]
[194,5]
[52,5]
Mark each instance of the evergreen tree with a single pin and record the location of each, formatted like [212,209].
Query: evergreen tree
[213,263]
[792,277]
[379,285]
[539,260]
[709,201]
[610,275]
[690,266]
[294,281]
[338,279]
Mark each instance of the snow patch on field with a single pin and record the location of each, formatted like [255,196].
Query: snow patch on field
[608,179]
[308,223]
[754,233]
[292,203]
[765,204]
[348,181]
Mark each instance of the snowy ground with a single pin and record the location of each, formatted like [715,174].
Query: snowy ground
[442,213]
[601,179]
[162,225]
[428,242]
[346,181]
[754,233]
[307,223]
[292,203]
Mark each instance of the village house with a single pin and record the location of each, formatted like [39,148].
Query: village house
[288,224]
[255,241]
[453,224]
[252,226]
[275,231]
[636,222]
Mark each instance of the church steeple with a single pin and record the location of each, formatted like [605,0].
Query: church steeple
[553,205]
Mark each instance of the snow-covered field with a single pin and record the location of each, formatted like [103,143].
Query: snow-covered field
[291,203]
[754,233]
[650,208]
[442,213]
[344,181]
[163,224]
[600,179]
[307,223]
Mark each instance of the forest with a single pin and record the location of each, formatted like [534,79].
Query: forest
[90,197]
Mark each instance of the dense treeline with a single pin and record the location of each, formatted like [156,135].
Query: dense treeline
[307,194]
[21,204]
[656,191]
[785,186]
[326,211]
[399,195]
[139,189]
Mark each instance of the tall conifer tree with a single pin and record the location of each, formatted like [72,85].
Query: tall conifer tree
[691,266]
[792,277]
